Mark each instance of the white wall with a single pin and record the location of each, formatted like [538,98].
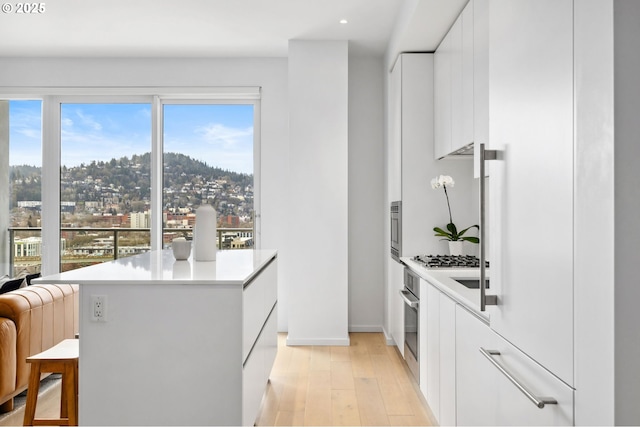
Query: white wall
[366,195]
[315,260]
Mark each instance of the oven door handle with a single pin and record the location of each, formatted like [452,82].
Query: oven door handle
[409,299]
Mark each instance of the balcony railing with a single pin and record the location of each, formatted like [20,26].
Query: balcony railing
[104,244]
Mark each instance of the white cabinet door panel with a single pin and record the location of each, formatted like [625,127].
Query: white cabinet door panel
[514,408]
[476,391]
[442,98]
[455,33]
[432,353]
[396,278]
[447,361]
[531,122]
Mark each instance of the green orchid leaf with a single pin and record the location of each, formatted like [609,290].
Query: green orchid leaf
[452,228]
[466,229]
[471,239]
[441,231]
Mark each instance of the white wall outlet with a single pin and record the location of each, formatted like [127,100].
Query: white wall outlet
[99,308]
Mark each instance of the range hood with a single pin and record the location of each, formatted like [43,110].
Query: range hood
[464,152]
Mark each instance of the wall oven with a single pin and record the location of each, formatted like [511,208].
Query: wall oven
[396,230]
[411,296]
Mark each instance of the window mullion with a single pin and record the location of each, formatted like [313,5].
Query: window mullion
[156,174]
[50,185]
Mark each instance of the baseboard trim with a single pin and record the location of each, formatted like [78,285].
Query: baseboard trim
[366,328]
[318,341]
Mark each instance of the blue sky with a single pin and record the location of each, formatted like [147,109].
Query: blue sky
[220,135]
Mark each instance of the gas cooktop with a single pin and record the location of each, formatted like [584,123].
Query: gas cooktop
[448,261]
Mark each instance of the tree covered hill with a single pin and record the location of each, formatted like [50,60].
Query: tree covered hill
[130,176]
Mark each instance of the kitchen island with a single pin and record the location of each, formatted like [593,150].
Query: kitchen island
[166,342]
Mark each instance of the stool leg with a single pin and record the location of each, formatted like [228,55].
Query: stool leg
[70,392]
[32,394]
[63,397]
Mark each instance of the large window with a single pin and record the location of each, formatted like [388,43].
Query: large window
[208,158]
[124,174]
[22,140]
[105,182]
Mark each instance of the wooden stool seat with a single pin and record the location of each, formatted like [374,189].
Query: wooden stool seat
[60,359]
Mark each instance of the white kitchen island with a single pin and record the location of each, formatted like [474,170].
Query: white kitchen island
[180,342]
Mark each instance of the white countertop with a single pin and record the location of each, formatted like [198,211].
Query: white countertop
[443,280]
[231,267]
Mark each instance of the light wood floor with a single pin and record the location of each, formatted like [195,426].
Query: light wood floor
[366,383]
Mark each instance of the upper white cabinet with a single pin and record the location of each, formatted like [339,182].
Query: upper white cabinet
[442,98]
[480,79]
[456,96]
[413,73]
[532,184]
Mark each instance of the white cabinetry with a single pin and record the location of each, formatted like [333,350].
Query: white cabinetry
[438,348]
[531,186]
[476,392]
[480,78]
[454,83]
[396,284]
[486,396]
[442,98]
[411,142]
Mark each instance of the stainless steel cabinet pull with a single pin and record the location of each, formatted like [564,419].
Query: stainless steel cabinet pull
[410,303]
[484,298]
[540,402]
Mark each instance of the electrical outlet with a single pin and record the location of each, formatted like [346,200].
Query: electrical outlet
[99,308]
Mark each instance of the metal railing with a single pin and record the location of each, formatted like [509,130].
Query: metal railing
[103,251]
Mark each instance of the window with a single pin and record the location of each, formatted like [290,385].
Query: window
[208,158]
[105,182]
[22,141]
[125,173]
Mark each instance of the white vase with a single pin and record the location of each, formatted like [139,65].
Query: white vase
[456,247]
[204,234]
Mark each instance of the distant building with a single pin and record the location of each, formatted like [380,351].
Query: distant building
[232,221]
[31,246]
[140,220]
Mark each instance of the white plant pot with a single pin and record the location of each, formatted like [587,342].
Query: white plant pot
[456,248]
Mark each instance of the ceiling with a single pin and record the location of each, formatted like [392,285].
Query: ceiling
[220,28]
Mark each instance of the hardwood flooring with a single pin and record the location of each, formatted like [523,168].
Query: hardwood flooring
[367,383]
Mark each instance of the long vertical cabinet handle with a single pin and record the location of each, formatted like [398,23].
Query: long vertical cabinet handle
[540,402]
[484,298]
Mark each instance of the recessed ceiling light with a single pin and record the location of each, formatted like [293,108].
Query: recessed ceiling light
[344,21]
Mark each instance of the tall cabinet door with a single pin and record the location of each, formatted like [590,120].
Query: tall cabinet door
[531,184]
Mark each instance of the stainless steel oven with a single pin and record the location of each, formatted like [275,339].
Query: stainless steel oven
[396,230]
[411,296]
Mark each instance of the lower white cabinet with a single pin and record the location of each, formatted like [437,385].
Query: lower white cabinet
[438,349]
[257,368]
[476,391]
[396,279]
[493,393]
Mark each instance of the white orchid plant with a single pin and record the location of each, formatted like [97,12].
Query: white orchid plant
[452,233]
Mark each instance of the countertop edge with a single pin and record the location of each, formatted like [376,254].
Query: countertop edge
[59,278]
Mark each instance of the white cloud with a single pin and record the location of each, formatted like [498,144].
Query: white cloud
[224,136]
[88,121]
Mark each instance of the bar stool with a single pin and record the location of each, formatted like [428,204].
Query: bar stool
[60,359]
